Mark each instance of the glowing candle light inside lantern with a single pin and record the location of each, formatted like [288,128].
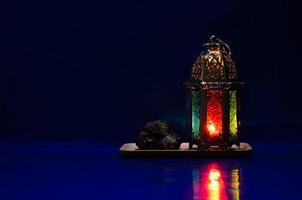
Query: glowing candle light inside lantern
[212,129]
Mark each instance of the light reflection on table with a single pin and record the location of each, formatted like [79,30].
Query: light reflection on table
[213,182]
[68,172]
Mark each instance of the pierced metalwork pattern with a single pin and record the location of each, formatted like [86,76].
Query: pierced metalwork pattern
[215,64]
[197,67]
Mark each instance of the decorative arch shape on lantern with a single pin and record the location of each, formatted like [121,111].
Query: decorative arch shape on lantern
[213,118]
[215,64]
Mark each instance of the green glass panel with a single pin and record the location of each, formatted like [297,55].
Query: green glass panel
[233,114]
[195,113]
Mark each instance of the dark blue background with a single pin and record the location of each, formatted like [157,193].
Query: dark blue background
[98,70]
[79,78]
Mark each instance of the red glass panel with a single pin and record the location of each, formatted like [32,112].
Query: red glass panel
[214,113]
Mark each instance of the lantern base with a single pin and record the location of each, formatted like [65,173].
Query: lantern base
[131,150]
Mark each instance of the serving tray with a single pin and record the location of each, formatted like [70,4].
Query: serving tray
[131,150]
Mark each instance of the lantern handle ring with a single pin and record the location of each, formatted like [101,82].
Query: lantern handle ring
[225,47]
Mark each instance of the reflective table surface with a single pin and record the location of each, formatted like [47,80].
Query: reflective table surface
[77,171]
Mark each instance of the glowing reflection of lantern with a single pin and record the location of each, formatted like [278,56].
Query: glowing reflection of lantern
[215,185]
[213,96]
[212,183]
[235,184]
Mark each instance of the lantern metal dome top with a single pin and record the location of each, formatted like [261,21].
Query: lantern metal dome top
[214,65]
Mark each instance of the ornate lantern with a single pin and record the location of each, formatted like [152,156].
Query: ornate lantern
[213,96]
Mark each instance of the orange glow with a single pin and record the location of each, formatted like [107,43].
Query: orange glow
[214,175]
[214,113]
[212,129]
[212,183]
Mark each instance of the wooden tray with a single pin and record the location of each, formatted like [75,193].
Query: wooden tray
[131,150]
